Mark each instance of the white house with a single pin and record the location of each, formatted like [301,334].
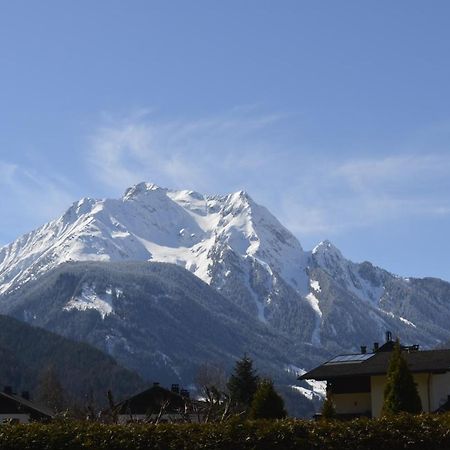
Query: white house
[356,381]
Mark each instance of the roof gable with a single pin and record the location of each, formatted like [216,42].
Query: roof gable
[12,404]
[151,400]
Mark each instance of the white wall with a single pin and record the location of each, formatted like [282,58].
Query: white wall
[440,389]
[22,418]
[357,403]
[433,391]
[378,382]
[125,418]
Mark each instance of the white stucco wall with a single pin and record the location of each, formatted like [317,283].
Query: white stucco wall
[433,389]
[378,382]
[377,391]
[22,418]
[440,390]
[357,403]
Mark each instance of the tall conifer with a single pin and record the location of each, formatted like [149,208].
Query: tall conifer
[400,392]
[243,382]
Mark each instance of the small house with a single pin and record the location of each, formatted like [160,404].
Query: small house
[19,409]
[356,381]
[158,404]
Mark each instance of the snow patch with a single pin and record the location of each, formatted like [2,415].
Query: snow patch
[318,388]
[314,303]
[407,322]
[315,285]
[388,313]
[295,370]
[308,393]
[89,299]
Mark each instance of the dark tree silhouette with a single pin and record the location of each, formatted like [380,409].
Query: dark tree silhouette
[243,383]
[267,403]
[328,411]
[400,392]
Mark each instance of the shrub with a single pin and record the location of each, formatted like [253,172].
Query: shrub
[405,431]
[328,411]
[267,404]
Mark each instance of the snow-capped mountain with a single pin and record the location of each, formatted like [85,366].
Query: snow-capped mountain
[239,248]
[151,223]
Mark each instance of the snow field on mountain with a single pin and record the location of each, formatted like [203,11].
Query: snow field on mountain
[231,243]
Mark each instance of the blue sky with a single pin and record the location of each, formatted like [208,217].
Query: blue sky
[335,115]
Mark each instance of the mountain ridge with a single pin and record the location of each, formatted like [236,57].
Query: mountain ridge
[237,247]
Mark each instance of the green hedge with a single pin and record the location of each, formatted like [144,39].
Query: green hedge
[427,432]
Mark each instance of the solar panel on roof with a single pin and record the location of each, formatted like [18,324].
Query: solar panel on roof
[350,358]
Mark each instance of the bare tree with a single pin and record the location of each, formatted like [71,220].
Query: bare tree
[211,381]
[50,391]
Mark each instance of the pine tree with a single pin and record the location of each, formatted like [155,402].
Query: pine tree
[243,383]
[400,392]
[328,411]
[267,403]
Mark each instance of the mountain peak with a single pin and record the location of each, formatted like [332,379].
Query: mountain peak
[141,188]
[327,255]
[326,247]
[240,200]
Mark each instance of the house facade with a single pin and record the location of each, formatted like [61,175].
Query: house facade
[356,382]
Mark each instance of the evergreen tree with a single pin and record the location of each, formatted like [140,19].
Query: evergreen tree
[328,411]
[400,392]
[243,383]
[267,403]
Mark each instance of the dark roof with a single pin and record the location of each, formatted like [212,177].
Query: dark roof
[150,401]
[15,404]
[429,361]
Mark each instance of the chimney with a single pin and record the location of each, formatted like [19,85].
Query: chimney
[375,347]
[388,336]
[363,349]
[175,388]
[155,384]
[8,390]
[26,395]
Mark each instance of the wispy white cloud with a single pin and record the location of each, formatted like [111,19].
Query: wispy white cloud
[367,191]
[7,171]
[204,154]
[315,193]
[312,192]
[393,170]
[32,197]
